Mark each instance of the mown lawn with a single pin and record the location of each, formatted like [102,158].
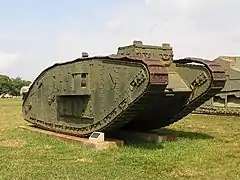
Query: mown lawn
[208,148]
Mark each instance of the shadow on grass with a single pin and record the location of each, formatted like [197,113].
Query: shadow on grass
[183,134]
[154,139]
[143,145]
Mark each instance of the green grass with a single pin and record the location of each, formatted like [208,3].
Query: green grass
[208,148]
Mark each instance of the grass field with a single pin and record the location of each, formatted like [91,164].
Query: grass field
[208,148]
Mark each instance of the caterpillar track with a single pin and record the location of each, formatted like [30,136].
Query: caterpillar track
[226,102]
[217,111]
[139,88]
[217,83]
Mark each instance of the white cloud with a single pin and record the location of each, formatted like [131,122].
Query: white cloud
[6,60]
[194,28]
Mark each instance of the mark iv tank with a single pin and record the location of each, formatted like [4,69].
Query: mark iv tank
[139,88]
[227,102]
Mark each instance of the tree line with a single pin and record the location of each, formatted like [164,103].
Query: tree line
[12,86]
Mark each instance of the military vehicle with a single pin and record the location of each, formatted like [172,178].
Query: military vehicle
[139,88]
[227,102]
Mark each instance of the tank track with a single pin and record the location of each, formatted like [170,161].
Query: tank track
[158,82]
[218,82]
[217,111]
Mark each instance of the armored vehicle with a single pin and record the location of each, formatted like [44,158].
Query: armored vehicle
[139,88]
[227,102]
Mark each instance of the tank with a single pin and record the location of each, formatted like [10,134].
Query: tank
[227,102]
[139,88]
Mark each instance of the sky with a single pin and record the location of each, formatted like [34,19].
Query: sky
[37,34]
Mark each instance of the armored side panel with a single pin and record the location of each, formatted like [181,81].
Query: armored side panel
[227,102]
[140,88]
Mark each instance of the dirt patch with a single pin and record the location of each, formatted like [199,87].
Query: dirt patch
[83,160]
[11,143]
[38,149]
[186,172]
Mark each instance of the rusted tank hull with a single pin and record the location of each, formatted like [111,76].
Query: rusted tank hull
[112,92]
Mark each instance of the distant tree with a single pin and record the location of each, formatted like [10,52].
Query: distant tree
[4,84]
[12,85]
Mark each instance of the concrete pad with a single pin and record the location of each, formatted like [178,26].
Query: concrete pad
[85,142]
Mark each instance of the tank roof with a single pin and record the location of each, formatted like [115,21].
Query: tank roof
[139,44]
